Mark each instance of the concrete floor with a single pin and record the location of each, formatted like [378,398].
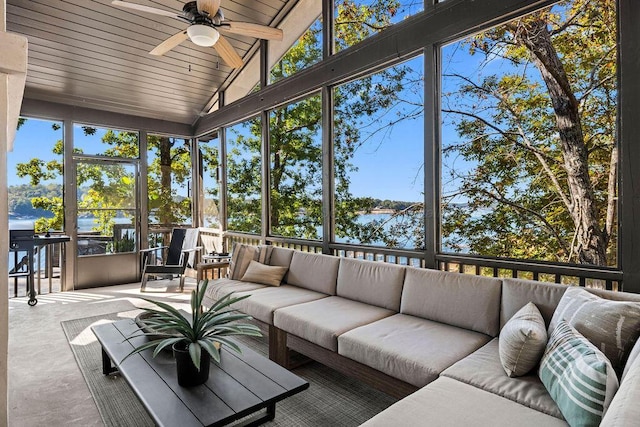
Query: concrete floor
[46,386]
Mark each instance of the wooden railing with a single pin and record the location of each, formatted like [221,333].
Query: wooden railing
[580,275]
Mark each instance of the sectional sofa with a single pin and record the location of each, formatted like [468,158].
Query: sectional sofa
[433,338]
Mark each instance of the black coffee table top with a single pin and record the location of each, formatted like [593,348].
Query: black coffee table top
[239,386]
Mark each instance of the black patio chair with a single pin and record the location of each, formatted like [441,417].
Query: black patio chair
[181,254]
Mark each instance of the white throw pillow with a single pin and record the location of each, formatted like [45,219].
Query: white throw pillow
[522,341]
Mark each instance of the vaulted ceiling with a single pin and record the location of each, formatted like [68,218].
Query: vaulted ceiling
[92,54]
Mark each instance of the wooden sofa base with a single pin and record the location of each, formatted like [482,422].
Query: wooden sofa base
[283,348]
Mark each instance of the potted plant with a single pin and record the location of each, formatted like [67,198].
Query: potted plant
[190,335]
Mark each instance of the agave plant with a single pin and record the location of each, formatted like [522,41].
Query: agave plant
[202,331]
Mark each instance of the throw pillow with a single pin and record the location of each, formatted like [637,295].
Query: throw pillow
[579,378]
[265,274]
[612,326]
[522,341]
[243,254]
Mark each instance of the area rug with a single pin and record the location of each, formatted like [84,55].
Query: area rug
[331,399]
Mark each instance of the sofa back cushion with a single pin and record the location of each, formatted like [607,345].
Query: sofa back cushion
[463,300]
[516,293]
[316,272]
[373,283]
[282,258]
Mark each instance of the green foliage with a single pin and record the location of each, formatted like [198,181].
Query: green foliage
[201,330]
[295,139]
[519,194]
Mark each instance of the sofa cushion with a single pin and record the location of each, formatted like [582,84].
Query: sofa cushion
[483,369]
[322,321]
[409,348]
[447,402]
[270,275]
[243,254]
[316,272]
[221,287]
[624,410]
[470,302]
[578,376]
[281,257]
[374,283]
[612,326]
[516,293]
[263,302]
[522,341]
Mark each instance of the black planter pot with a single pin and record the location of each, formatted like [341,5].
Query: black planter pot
[188,375]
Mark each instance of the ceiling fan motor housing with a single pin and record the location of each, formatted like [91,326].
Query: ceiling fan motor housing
[194,16]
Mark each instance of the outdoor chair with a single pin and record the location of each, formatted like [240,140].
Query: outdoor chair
[181,253]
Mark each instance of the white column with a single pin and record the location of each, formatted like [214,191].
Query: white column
[13,69]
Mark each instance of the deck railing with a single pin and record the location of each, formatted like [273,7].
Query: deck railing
[579,275]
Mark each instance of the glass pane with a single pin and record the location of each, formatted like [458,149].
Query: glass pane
[169,180]
[34,176]
[107,208]
[107,142]
[244,177]
[528,140]
[304,53]
[379,157]
[106,232]
[106,186]
[356,20]
[209,152]
[296,169]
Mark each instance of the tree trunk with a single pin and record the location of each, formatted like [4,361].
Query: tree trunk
[590,241]
[165,215]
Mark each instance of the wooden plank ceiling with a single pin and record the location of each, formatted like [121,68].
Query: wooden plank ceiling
[89,53]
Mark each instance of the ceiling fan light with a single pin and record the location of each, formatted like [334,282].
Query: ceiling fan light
[203,35]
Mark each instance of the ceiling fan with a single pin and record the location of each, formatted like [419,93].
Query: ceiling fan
[206,20]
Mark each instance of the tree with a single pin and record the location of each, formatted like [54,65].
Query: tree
[295,132]
[539,171]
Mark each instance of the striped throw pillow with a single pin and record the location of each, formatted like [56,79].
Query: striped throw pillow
[579,378]
[242,255]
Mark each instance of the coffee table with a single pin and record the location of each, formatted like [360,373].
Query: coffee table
[241,385]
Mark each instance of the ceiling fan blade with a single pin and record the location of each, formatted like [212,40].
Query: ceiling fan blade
[170,43]
[146,9]
[228,53]
[209,6]
[252,30]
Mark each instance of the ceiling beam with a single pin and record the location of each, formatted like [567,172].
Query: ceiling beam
[54,111]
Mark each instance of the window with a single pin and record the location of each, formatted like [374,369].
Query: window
[106,142]
[244,176]
[35,177]
[529,166]
[356,20]
[379,155]
[169,180]
[107,207]
[210,155]
[305,52]
[296,169]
